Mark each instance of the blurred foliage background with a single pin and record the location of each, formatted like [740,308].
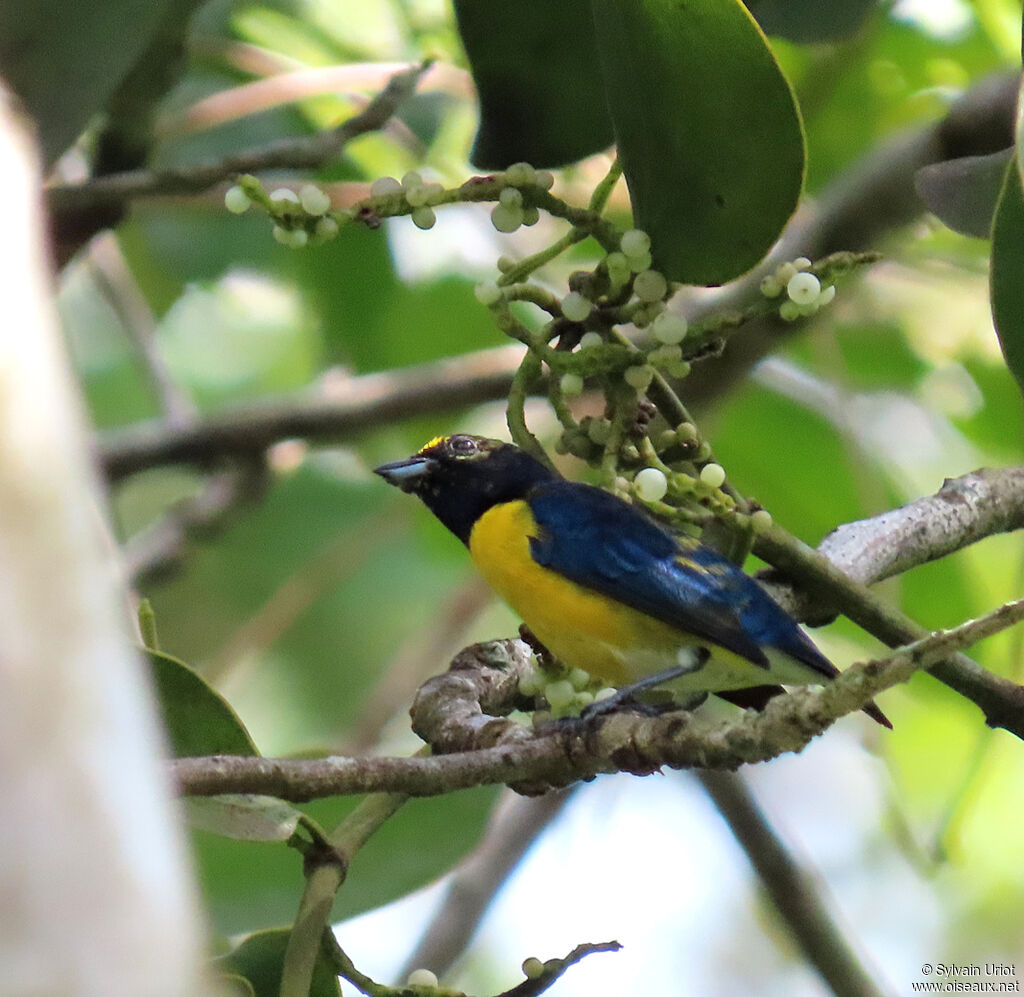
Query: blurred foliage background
[317,604]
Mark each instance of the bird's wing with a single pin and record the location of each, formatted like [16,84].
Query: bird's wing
[606,545]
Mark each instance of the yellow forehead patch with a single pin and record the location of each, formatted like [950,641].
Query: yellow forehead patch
[435,442]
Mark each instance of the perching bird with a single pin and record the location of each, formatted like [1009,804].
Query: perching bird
[603,586]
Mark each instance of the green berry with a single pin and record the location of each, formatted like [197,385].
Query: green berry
[236,200]
[571,385]
[544,179]
[638,264]
[417,195]
[770,286]
[712,475]
[385,187]
[827,295]
[326,228]
[579,679]
[282,235]
[521,175]
[510,198]
[506,219]
[784,272]
[559,694]
[761,520]
[299,238]
[789,310]
[650,285]
[531,215]
[575,307]
[802,263]
[411,179]
[635,242]
[424,217]
[618,268]
[284,196]
[313,200]
[686,433]
[650,484]
[533,968]
[669,327]
[639,377]
[589,339]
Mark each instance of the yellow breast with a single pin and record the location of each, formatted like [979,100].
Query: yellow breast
[580,627]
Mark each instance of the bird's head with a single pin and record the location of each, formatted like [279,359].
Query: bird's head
[460,477]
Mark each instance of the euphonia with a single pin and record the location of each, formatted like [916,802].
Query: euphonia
[603,586]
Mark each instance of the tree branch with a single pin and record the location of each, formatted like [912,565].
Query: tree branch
[358,404]
[452,713]
[1001,700]
[306,152]
[799,897]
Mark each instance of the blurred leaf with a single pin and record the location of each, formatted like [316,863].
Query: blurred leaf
[963,193]
[811,20]
[541,95]
[65,59]
[708,132]
[244,817]
[1007,273]
[233,985]
[250,885]
[198,720]
[260,960]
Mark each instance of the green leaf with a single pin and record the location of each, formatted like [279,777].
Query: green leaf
[541,97]
[65,59]
[244,817]
[260,959]
[963,192]
[198,720]
[811,20]
[708,132]
[1007,272]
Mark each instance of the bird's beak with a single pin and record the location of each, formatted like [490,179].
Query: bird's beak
[406,474]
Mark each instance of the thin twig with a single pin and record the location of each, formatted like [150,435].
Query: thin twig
[799,897]
[306,152]
[515,825]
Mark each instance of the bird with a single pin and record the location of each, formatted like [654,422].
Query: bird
[603,586]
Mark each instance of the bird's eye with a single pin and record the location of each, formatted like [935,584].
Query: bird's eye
[463,446]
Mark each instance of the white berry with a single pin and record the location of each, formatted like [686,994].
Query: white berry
[651,484]
[803,288]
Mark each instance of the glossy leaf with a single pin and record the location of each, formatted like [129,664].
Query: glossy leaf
[1007,272]
[198,720]
[260,959]
[963,192]
[707,128]
[541,98]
